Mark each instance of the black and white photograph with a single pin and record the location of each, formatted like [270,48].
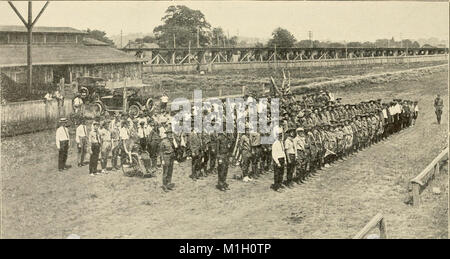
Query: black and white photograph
[224,120]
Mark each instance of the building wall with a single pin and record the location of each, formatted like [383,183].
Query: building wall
[45,74]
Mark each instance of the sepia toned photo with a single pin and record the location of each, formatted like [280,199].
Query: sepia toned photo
[224,120]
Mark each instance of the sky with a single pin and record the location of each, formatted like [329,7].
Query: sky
[334,21]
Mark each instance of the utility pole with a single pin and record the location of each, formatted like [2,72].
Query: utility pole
[121,39]
[174,42]
[198,37]
[310,36]
[189,54]
[29,25]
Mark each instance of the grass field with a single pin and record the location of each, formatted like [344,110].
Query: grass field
[40,202]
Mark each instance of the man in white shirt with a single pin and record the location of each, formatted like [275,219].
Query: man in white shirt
[164,101]
[62,143]
[279,158]
[81,138]
[78,104]
[48,97]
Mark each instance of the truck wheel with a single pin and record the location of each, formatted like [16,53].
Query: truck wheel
[134,110]
[149,104]
[97,109]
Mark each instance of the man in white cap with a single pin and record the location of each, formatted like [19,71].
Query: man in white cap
[62,143]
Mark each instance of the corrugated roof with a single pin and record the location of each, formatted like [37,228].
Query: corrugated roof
[40,29]
[135,45]
[16,55]
[93,42]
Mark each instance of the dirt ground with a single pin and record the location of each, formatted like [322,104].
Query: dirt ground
[40,202]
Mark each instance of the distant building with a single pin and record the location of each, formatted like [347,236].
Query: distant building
[61,52]
[144,53]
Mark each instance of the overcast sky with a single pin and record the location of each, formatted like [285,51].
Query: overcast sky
[336,21]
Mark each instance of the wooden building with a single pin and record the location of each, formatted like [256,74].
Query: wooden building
[61,52]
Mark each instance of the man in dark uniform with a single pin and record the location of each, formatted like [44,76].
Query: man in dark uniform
[155,140]
[167,158]
[195,142]
[246,153]
[212,152]
[224,144]
[206,139]
[255,143]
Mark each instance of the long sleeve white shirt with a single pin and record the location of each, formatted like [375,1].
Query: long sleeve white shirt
[80,132]
[61,134]
[278,150]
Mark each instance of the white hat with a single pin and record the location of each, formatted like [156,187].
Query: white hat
[277,130]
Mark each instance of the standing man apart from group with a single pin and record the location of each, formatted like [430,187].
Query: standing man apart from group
[438,106]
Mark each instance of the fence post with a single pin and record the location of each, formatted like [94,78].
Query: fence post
[383,234]
[416,194]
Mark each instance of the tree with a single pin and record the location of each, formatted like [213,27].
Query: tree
[217,36]
[182,23]
[304,44]
[354,44]
[149,39]
[336,45]
[100,36]
[259,45]
[282,38]
[415,44]
[233,41]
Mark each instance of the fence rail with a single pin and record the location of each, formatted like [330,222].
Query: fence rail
[377,221]
[419,182]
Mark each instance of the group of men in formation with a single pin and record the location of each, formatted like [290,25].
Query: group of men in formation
[314,131]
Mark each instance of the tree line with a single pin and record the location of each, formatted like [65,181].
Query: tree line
[184,27]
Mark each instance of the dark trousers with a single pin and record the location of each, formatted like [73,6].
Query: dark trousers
[222,169]
[278,173]
[62,154]
[167,169]
[115,154]
[196,165]
[438,115]
[301,169]
[205,158]
[256,158]
[82,149]
[266,159]
[212,159]
[154,150]
[245,163]
[290,168]
[94,158]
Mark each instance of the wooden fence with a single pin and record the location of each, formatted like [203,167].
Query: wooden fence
[377,221]
[32,116]
[419,182]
